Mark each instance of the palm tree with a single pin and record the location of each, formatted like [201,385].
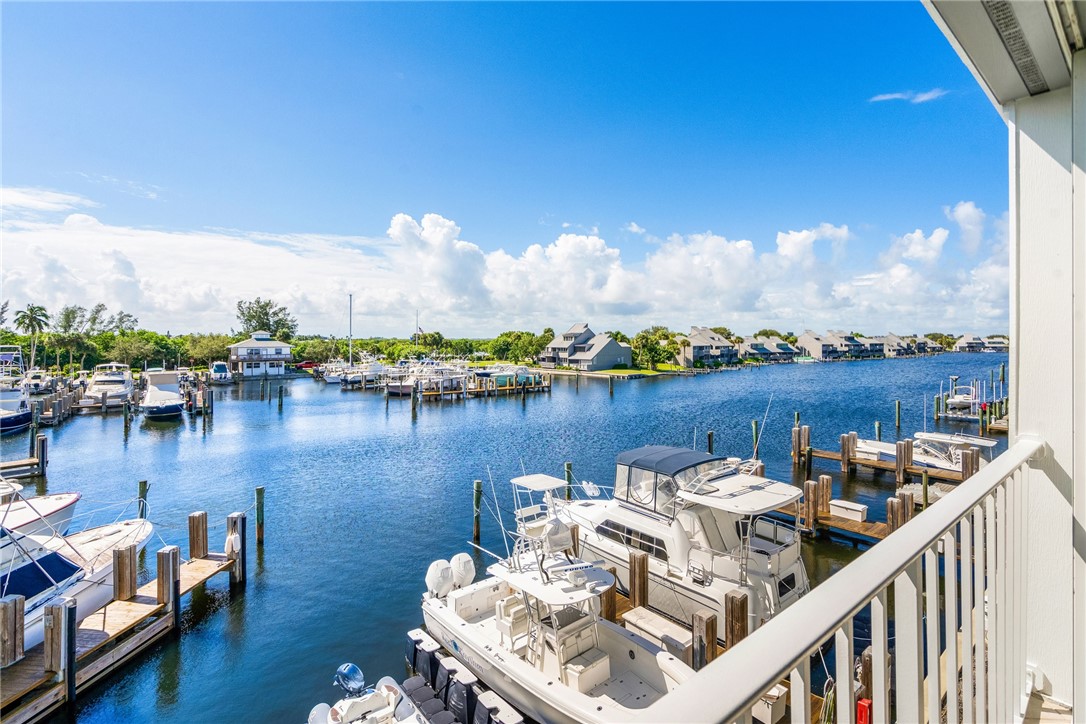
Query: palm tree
[32,321]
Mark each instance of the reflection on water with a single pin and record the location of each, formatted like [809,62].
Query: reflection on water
[362,494]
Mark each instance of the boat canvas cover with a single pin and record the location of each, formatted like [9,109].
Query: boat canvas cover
[42,574]
[538,482]
[558,591]
[664,459]
[955,439]
[745,495]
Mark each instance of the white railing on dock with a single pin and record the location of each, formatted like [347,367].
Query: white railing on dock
[976,534]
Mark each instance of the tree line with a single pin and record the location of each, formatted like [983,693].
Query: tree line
[77,338]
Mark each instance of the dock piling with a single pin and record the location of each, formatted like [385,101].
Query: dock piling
[197,535]
[141,499]
[845,457]
[478,500]
[938,401]
[893,514]
[280,397]
[878,430]
[754,432]
[808,462]
[907,506]
[41,452]
[569,480]
[924,487]
[710,442]
[825,493]
[611,385]
[735,618]
[124,573]
[703,625]
[796,450]
[60,628]
[639,578]
[169,582]
[12,611]
[260,506]
[608,602]
[235,546]
[897,414]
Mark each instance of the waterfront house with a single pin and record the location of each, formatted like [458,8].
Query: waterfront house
[969,343]
[259,356]
[779,350]
[874,346]
[565,345]
[897,346]
[707,347]
[601,352]
[848,344]
[995,344]
[820,347]
[997,568]
[754,348]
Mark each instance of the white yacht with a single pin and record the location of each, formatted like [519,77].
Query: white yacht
[112,379]
[15,413]
[703,521]
[162,400]
[219,374]
[961,397]
[38,515]
[938,450]
[80,566]
[38,381]
[531,631]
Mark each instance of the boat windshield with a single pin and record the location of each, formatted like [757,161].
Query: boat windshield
[109,381]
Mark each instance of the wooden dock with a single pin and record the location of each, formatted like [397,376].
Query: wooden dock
[29,467]
[74,657]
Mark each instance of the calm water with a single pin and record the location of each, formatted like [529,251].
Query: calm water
[362,497]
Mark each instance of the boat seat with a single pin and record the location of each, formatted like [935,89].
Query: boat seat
[588,670]
[510,618]
[575,643]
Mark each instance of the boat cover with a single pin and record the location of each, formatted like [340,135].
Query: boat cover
[538,482]
[664,459]
[31,579]
[745,495]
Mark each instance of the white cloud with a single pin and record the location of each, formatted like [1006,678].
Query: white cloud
[190,280]
[970,221]
[915,246]
[910,96]
[30,199]
[633,228]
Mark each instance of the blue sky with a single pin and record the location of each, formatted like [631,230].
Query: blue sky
[502,165]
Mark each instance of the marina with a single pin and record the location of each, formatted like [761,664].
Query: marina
[321,433]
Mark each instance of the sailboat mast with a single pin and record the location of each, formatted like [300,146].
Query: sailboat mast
[350,329]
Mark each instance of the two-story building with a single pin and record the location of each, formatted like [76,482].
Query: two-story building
[581,348]
[565,345]
[848,344]
[996,344]
[706,346]
[259,356]
[969,343]
[818,346]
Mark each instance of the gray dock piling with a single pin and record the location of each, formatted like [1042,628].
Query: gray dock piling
[477,494]
[141,499]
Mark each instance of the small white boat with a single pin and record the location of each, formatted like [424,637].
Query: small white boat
[936,450]
[112,379]
[961,397]
[162,399]
[79,566]
[381,704]
[531,631]
[38,382]
[15,412]
[219,374]
[38,515]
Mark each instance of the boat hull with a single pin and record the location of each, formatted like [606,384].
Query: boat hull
[170,411]
[13,422]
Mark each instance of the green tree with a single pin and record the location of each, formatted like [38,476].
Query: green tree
[266,315]
[618,336]
[33,321]
[723,332]
[207,347]
[130,348]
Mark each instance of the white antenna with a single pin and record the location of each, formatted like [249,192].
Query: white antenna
[761,432]
[695,437]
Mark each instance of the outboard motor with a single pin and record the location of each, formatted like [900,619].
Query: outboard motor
[351,679]
[462,695]
[463,570]
[447,667]
[319,714]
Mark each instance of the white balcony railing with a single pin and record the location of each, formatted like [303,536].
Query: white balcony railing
[977,536]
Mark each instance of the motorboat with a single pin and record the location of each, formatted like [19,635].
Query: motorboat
[366,372]
[112,379]
[332,371]
[15,412]
[936,450]
[162,399]
[80,566]
[384,703]
[219,374]
[38,515]
[961,397]
[704,520]
[38,382]
[531,631]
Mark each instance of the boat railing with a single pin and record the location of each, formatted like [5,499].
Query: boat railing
[976,535]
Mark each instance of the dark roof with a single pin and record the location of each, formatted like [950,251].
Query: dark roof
[664,459]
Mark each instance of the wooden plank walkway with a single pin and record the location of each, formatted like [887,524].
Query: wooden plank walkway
[871,531]
[104,640]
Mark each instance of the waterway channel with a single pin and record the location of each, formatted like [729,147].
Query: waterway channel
[362,496]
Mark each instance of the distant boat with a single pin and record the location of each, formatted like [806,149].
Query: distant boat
[162,400]
[936,450]
[15,413]
[804,359]
[38,382]
[219,374]
[112,379]
[962,397]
